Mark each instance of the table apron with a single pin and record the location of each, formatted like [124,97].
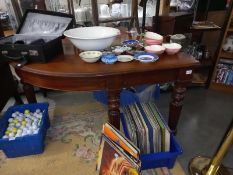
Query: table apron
[99,82]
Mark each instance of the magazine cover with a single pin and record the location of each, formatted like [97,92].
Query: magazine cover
[114,161]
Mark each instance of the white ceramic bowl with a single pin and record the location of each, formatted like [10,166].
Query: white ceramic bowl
[172,48]
[90,56]
[154,36]
[125,58]
[92,38]
[157,49]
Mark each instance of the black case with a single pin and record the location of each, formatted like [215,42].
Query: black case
[37,24]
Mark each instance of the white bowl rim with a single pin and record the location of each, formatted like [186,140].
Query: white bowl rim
[169,46]
[153,35]
[152,47]
[125,57]
[95,54]
[80,38]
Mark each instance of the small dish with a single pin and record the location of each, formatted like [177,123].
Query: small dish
[172,48]
[157,49]
[131,43]
[90,56]
[109,58]
[120,49]
[125,58]
[146,57]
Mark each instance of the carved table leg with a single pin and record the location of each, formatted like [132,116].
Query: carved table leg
[178,95]
[176,106]
[29,93]
[114,107]
[18,99]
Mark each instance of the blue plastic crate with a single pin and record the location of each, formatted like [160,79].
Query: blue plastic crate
[127,97]
[156,160]
[26,145]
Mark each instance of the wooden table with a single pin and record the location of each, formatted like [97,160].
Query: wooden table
[70,73]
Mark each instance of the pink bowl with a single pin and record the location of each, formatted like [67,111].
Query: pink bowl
[153,42]
[172,48]
[172,51]
[152,35]
[157,49]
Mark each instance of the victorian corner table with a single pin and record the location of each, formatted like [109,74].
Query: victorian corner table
[67,72]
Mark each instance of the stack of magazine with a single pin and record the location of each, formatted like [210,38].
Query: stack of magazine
[146,127]
[117,155]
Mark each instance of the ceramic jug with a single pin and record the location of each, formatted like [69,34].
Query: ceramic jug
[228,45]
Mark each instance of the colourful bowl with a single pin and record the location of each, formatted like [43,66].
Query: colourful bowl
[109,58]
[130,43]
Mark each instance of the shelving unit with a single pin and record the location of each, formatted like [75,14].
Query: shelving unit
[133,18]
[226,55]
[202,74]
[221,54]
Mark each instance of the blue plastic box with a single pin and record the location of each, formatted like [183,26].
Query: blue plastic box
[127,97]
[156,160]
[26,145]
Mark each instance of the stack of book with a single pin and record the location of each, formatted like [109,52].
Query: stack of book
[224,74]
[117,155]
[147,128]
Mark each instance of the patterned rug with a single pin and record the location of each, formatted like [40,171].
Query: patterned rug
[71,145]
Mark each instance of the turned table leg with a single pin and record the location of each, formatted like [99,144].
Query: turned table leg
[29,93]
[178,94]
[18,99]
[114,107]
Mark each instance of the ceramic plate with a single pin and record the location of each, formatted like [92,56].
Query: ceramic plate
[130,42]
[125,58]
[146,57]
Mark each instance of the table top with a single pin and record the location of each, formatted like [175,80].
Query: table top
[71,65]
